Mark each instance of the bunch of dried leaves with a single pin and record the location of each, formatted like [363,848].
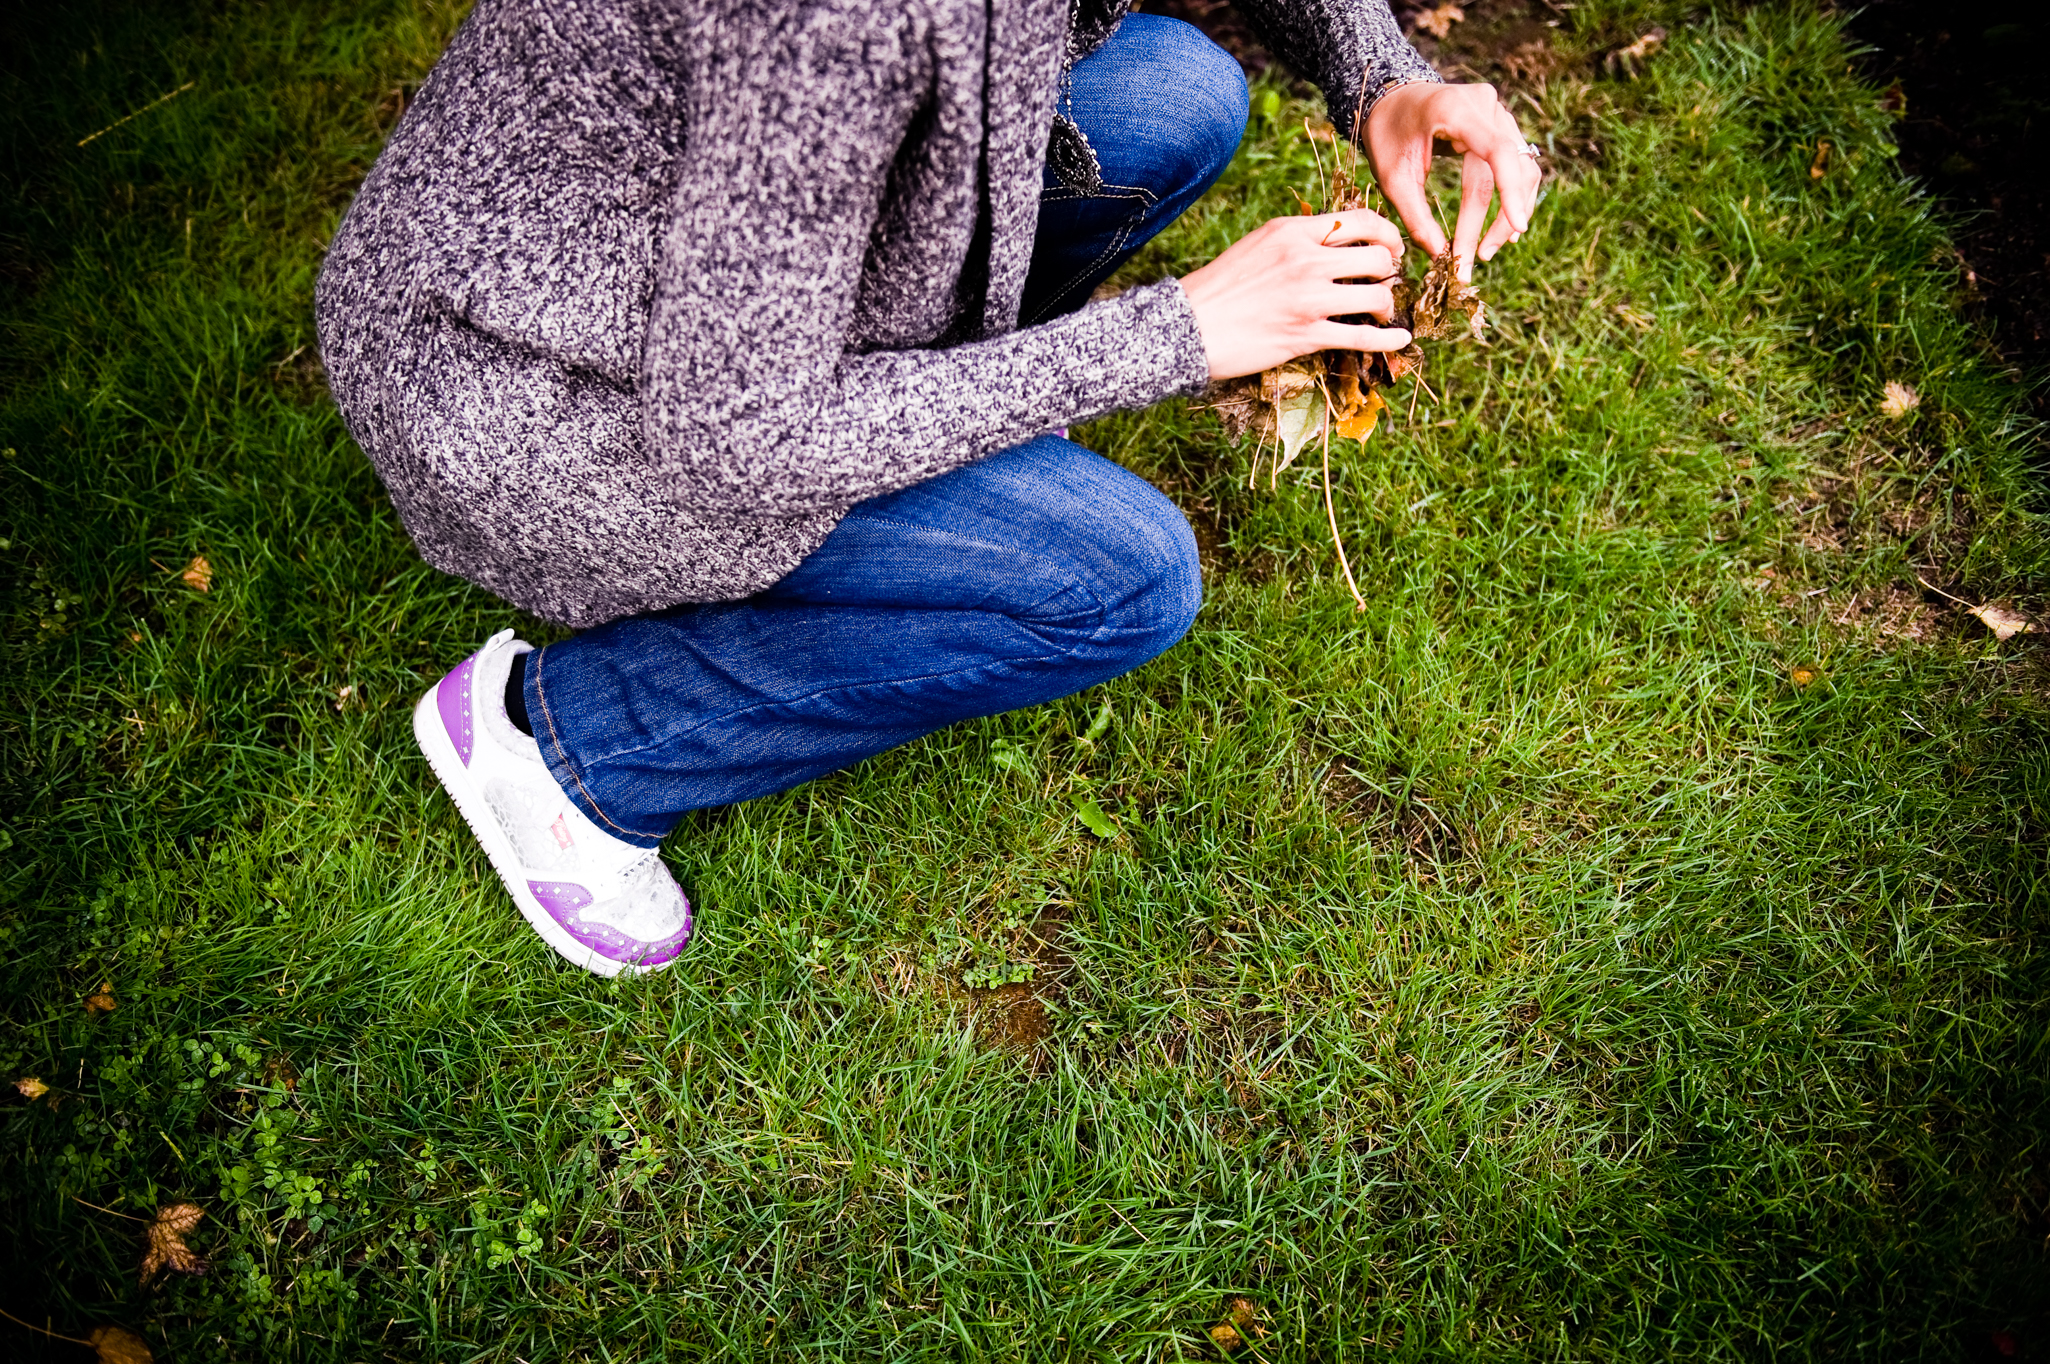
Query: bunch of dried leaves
[1338,392]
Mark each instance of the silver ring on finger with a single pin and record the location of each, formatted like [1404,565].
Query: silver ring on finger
[1533,151]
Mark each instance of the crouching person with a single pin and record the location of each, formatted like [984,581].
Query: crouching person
[739,336]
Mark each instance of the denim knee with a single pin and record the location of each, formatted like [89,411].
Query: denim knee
[1184,98]
[1161,586]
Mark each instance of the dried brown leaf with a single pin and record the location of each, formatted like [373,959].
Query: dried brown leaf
[198,575]
[1439,297]
[103,1001]
[278,1070]
[1439,19]
[167,1248]
[31,1088]
[1627,59]
[1531,61]
[2004,623]
[117,1345]
[1237,404]
[1389,367]
[1897,400]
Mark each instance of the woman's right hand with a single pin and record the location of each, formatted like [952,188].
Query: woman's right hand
[1272,294]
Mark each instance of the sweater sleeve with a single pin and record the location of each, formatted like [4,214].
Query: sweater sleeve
[1350,49]
[753,401]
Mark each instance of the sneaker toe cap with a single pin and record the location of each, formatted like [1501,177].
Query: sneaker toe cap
[647,924]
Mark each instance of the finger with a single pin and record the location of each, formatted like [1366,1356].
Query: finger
[1405,191]
[1356,262]
[1350,336]
[1476,190]
[1345,300]
[1516,182]
[1356,227]
[1517,187]
[1509,175]
[1517,172]
[1500,233]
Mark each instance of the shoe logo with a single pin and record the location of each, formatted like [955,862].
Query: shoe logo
[561,831]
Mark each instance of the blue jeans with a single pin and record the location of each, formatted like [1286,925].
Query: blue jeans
[1024,577]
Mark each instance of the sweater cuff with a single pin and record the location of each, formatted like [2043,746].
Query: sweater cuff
[1125,352]
[1162,309]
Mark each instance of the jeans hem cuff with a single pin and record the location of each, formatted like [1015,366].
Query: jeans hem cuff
[564,770]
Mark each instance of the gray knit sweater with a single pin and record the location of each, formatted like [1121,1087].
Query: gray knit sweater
[642,295]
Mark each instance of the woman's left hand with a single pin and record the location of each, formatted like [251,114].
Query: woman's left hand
[1399,135]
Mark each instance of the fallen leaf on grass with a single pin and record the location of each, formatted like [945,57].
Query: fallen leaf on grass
[102,1002]
[1094,819]
[2004,624]
[31,1088]
[113,1344]
[1898,400]
[1531,61]
[1239,1326]
[1439,19]
[198,575]
[278,1070]
[116,1345]
[167,1248]
[1626,59]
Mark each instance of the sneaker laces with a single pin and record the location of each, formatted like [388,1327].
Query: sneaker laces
[639,865]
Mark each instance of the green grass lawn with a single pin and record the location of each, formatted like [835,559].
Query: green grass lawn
[1625,939]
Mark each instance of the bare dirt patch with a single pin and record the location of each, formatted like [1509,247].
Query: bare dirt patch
[1015,1016]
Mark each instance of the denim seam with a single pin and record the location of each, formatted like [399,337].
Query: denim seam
[1147,204]
[569,763]
[1064,194]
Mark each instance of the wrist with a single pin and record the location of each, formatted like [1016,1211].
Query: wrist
[1399,100]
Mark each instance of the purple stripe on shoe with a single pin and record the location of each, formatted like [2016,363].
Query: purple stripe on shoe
[452,698]
[566,902]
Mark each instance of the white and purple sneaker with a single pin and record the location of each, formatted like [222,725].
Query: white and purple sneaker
[604,904]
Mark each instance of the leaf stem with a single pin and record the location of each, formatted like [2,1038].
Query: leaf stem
[1359,603]
[43,1329]
[97,1208]
[1941,593]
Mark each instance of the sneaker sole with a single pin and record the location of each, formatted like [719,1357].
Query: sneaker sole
[440,751]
